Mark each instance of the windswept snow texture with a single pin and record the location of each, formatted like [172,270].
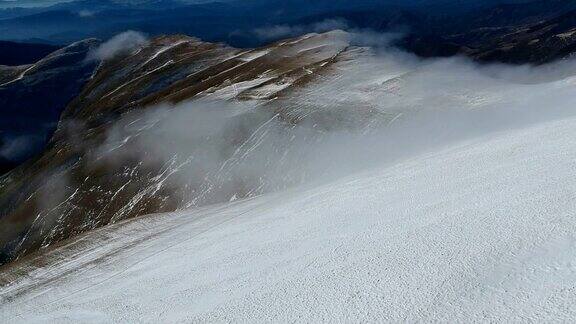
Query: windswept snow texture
[482,231]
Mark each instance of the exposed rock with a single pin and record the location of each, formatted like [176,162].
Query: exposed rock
[74,186]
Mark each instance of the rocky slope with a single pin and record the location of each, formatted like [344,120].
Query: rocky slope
[86,179]
[538,43]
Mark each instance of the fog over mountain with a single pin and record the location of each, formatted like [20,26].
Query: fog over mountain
[287,161]
[315,150]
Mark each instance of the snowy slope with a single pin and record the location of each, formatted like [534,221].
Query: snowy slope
[480,231]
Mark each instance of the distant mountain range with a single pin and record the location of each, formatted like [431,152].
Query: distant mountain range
[234,22]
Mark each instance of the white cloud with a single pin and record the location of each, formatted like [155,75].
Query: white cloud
[19,147]
[120,44]
[86,13]
[283,31]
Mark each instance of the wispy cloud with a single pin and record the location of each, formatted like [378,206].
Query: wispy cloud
[282,31]
[120,44]
[86,13]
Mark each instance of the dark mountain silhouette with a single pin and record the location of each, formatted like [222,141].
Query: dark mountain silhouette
[13,53]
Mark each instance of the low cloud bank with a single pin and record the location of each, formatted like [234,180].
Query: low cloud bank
[19,147]
[378,109]
[120,44]
[357,36]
